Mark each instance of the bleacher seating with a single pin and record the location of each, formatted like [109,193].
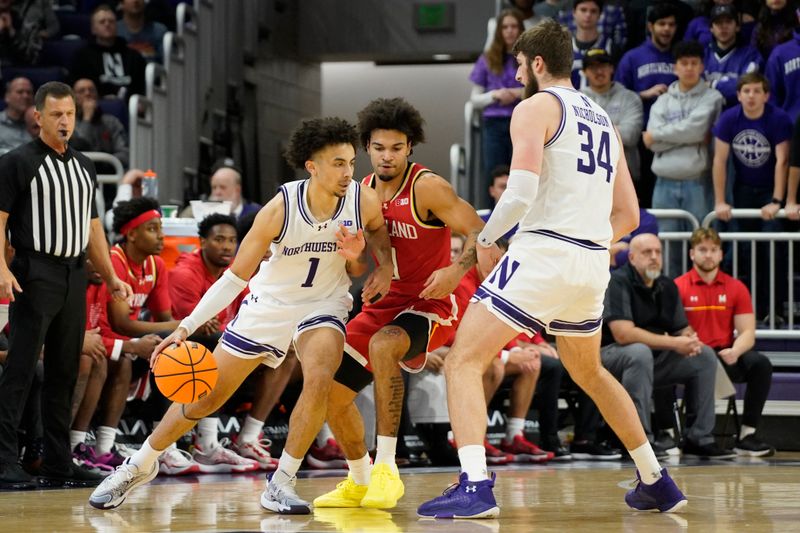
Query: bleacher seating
[60,52]
[116,107]
[76,24]
[37,75]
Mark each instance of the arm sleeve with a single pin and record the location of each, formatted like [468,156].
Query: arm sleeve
[743,304]
[520,193]
[217,298]
[775,78]
[480,97]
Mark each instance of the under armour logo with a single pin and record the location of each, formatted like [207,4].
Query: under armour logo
[254,298]
[471,488]
[322,227]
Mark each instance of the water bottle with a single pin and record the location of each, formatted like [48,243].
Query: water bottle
[150,184]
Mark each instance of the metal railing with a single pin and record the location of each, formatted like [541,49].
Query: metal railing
[106,178]
[736,238]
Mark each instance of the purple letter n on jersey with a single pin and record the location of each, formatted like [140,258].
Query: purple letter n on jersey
[503,273]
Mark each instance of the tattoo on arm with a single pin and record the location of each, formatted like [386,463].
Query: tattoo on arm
[469,257]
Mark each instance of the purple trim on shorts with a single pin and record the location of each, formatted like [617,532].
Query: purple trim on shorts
[322,319]
[583,243]
[509,310]
[244,345]
[584,327]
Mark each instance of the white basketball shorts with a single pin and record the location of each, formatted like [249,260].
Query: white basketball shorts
[265,328]
[548,282]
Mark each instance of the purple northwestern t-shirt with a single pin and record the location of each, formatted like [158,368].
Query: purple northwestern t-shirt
[643,67]
[483,76]
[753,142]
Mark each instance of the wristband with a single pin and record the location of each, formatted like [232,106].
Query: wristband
[504,354]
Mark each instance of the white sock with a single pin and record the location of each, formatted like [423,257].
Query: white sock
[75,438]
[360,470]
[207,433]
[514,427]
[323,435]
[105,437]
[145,456]
[646,463]
[745,431]
[473,462]
[387,447]
[250,430]
[287,468]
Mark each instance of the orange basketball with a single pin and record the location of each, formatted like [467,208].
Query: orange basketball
[185,373]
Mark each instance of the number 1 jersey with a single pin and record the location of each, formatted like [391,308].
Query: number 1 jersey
[579,166]
[305,265]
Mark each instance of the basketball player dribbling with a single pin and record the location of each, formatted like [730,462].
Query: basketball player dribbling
[571,192]
[416,317]
[316,229]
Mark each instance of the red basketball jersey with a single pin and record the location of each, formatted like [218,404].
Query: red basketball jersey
[418,247]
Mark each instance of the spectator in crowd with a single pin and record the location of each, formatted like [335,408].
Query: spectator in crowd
[550,8]
[775,23]
[101,349]
[31,126]
[524,8]
[792,208]
[100,131]
[226,184]
[18,97]
[649,68]
[727,57]
[758,134]
[620,250]
[699,28]
[623,106]
[717,305]
[23,26]
[611,24]
[783,73]
[587,36]
[648,342]
[143,35]
[116,70]
[678,132]
[496,92]
[456,246]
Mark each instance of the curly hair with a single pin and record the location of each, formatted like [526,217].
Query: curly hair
[315,134]
[124,212]
[214,219]
[391,114]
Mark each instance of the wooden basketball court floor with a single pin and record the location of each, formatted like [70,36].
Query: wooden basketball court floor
[744,495]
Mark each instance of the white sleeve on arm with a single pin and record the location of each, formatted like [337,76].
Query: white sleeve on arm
[217,298]
[513,205]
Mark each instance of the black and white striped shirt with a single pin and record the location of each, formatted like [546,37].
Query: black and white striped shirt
[50,199]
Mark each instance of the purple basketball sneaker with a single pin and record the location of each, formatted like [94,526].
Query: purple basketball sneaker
[663,495]
[466,499]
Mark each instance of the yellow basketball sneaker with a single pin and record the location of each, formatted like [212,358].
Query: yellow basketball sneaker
[385,487]
[346,494]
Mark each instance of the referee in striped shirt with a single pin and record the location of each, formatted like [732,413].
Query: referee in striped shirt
[47,205]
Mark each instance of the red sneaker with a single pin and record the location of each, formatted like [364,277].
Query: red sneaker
[328,456]
[524,451]
[495,456]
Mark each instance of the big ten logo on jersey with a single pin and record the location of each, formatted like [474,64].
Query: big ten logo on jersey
[403,230]
[402,201]
[593,157]
[139,299]
[503,272]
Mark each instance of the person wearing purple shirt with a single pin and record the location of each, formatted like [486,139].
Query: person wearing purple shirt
[612,24]
[699,27]
[496,92]
[783,73]
[792,208]
[726,56]
[649,68]
[758,135]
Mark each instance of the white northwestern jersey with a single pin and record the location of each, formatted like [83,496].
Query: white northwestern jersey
[576,183]
[304,265]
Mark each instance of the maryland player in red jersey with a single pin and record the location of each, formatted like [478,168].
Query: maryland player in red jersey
[420,209]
